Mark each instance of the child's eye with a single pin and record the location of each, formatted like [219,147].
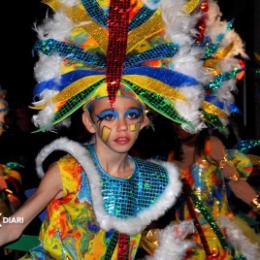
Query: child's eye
[107,115]
[133,113]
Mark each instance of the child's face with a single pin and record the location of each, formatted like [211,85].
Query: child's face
[117,127]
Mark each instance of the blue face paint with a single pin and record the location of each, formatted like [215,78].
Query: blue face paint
[133,113]
[107,115]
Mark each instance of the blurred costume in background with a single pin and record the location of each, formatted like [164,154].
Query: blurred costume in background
[207,168]
[206,178]
[10,178]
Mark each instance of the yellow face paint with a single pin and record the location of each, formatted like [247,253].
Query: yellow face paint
[133,127]
[105,133]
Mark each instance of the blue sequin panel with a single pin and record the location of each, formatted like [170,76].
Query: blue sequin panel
[124,198]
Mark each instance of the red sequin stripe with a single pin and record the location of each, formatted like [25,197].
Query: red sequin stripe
[123,247]
[192,212]
[118,21]
[201,25]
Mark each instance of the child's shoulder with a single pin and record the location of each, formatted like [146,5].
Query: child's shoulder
[69,164]
[67,159]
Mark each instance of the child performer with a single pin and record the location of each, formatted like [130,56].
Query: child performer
[112,58]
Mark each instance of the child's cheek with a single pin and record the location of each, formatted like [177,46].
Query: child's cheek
[105,133]
[133,127]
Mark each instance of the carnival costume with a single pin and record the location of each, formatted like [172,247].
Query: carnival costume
[10,178]
[97,48]
[206,202]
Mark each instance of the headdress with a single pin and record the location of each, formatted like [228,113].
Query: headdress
[142,48]
[222,50]
[175,56]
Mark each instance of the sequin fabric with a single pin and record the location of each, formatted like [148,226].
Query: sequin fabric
[208,184]
[70,229]
[125,198]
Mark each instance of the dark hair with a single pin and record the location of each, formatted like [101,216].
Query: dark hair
[158,139]
[161,138]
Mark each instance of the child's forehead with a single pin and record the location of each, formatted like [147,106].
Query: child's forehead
[121,103]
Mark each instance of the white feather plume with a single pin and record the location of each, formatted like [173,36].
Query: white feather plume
[44,118]
[56,27]
[47,67]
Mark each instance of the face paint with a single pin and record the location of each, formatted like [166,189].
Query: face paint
[133,114]
[133,127]
[107,115]
[105,133]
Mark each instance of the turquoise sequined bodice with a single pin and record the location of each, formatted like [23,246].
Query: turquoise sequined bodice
[124,198]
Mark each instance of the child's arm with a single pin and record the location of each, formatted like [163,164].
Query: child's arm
[241,189]
[49,188]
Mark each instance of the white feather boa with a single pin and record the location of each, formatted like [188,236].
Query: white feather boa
[131,225]
[240,241]
[172,242]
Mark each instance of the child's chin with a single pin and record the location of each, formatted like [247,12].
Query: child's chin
[122,148]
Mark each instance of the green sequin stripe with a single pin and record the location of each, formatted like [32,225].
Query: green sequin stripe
[75,103]
[213,120]
[72,105]
[158,103]
[111,247]
[209,218]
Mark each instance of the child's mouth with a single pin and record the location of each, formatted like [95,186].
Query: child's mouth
[122,140]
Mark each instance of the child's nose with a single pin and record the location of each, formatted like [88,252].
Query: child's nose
[122,124]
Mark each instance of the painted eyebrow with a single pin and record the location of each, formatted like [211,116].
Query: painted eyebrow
[106,112]
[134,109]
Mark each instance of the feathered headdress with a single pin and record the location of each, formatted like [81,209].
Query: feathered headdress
[91,48]
[175,56]
[222,50]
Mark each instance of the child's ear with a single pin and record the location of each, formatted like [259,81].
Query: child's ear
[145,121]
[88,122]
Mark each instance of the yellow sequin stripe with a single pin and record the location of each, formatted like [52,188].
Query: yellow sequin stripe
[191,6]
[71,90]
[223,52]
[156,86]
[78,15]
[151,27]
[211,64]
[219,55]
[212,109]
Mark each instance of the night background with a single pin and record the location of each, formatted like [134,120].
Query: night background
[17,61]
